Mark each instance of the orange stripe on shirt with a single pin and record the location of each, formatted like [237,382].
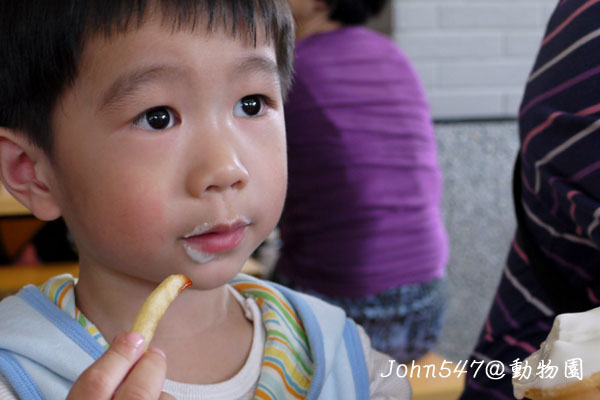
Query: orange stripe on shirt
[278,339]
[520,252]
[63,294]
[261,394]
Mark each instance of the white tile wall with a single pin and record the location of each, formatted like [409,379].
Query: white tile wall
[473,56]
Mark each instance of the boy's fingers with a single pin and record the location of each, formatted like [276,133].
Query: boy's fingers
[105,375]
[146,379]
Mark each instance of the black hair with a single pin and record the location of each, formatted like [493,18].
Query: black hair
[41,42]
[354,12]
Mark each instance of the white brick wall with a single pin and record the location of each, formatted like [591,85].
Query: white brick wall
[472,55]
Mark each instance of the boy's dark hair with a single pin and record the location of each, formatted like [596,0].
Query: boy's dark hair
[354,12]
[41,42]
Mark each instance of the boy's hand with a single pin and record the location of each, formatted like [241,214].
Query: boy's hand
[124,372]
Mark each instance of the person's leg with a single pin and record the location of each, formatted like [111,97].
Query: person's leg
[404,322]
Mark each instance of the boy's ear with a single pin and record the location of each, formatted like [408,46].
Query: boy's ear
[24,171]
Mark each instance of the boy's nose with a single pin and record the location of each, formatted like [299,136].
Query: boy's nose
[219,170]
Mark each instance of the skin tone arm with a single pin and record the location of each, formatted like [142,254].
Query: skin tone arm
[124,371]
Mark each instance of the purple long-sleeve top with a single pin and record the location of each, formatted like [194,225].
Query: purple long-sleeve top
[363,208]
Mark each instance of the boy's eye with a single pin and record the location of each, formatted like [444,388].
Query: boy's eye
[156,118]
[249,106]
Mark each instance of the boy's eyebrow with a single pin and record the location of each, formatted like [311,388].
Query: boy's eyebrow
[129,82]
[258,64]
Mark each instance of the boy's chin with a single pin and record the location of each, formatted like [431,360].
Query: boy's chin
[217,272]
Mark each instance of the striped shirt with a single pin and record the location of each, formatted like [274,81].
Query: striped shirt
[559,125]
[287,365]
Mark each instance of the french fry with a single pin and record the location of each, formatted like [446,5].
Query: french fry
[157,303]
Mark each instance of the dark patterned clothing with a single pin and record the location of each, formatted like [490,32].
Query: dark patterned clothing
[404,322]
[559,123]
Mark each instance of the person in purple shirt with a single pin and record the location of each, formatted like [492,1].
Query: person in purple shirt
[362,225]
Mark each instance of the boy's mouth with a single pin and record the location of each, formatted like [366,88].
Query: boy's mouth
[206,241]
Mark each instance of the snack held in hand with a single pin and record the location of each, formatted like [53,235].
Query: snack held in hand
[567,365]
[157,303]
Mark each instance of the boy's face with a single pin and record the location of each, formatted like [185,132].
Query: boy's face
[170,153]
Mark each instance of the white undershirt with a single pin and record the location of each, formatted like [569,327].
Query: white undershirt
[243,384]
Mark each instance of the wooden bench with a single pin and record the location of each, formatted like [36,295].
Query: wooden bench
[9,206]
[14,277]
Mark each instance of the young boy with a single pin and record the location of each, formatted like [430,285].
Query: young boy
[155,129]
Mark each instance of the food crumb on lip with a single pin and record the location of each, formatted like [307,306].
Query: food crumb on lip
[198,256]
[199,230]
[207,227]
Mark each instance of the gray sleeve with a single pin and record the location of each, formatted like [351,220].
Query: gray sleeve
[382,387]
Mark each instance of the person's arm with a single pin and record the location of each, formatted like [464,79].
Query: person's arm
[382,388]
